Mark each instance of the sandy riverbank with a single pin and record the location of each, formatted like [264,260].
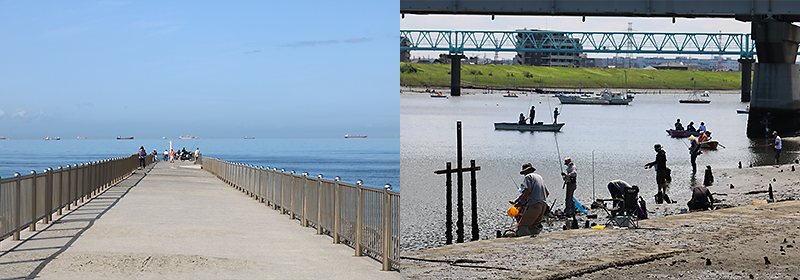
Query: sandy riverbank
[729,243]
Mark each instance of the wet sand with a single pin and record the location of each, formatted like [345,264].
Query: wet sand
[740,241]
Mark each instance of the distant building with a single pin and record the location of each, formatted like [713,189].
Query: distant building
[564,59]
[405,55]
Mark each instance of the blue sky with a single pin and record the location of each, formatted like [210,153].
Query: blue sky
[212,69]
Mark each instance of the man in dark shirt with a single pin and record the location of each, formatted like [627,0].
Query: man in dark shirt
[662,172]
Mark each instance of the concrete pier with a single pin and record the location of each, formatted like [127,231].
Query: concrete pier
[177,221]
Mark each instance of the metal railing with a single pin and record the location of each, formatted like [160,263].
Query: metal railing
[26,200]
[367,218]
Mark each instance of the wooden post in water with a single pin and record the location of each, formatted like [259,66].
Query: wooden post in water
[460,193]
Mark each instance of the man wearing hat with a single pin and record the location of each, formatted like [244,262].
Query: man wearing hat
[661,173]
[531,201]
[570,182]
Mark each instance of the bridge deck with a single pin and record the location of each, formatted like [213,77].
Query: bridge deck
[177,221]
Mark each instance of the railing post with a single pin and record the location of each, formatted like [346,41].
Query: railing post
[359,218]
[60,199]
[336,209]
[304,192]
[387,227]
[33,201]
[274,175]
[319,204]
[291,197]
[266,174]
[48,195]
[283,191]
[18,207]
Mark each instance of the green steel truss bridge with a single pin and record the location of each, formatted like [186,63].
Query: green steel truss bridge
[457,42]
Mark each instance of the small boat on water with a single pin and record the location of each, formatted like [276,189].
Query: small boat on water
[539,126]
[745,111]
[347,136]
[81,138]
[682,133]
[187,137]
[694,99]
[512,95]
[52,138]
[711,144]
[603,98]
[124,138]
[438,95]
[2,138]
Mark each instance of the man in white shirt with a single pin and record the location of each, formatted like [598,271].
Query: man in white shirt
[778,145]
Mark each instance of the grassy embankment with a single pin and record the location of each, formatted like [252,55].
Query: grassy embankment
[423,74]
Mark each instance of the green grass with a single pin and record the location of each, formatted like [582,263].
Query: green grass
[423,74]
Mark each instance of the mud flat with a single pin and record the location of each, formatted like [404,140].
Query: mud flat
[741,241]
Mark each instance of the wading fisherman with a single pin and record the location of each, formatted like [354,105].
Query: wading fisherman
[662,172]
[570,182]
[694,151]
[531,202]
[778,144]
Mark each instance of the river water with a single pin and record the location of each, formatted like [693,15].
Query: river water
[373,160]
[606,142]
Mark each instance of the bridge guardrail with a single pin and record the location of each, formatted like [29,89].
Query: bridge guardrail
[366,218]
[26,200]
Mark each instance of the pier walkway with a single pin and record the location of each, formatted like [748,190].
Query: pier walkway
[177,221]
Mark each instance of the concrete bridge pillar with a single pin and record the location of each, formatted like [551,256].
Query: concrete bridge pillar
[455,74]
[776,79]
[747,69]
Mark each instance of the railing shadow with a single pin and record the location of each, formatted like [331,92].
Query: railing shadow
[69,227]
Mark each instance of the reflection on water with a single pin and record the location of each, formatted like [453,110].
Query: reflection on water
[606,142]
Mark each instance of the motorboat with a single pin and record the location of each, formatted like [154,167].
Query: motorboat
[187,137]
[124,138]
[539,126]
[605,97]
[745,111]
[347,136]
[694,99]
[438,95]
[512,95]
[52,138]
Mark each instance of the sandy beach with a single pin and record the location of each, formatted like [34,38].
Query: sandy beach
[739,240]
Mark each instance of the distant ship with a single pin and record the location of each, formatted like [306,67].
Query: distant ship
[354,136]
[2,138]
[52,138]
[249,137]
[124,138]
[187,137]
[81,138]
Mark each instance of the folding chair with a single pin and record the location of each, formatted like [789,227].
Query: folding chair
[625,214]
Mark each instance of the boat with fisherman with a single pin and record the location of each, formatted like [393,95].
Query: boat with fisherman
[539,126]
[348,136]
[694,99]
[682,133]
[605,97]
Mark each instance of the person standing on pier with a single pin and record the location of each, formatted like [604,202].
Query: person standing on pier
[142,154]
[196,154]
[171,155]
[570,182]
[532,113]
[531,201]
[662,172]
[166,154]
[555,115]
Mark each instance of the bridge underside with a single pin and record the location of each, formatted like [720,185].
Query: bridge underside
[776,80]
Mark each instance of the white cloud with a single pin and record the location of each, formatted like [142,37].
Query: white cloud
[19,113]
[2,113]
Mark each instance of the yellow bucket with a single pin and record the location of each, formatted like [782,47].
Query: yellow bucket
[513,211]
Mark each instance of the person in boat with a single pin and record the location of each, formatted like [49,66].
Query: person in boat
[705,137]
[570,182]
[702,127]
[701,199]
[694,151]
[662,173]
[678,125]
[555,115]
[531,202]
[778,144]
[521,118]
[532,113]
[690,127]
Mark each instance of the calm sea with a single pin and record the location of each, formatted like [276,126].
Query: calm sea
[606,142]
[373,160]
